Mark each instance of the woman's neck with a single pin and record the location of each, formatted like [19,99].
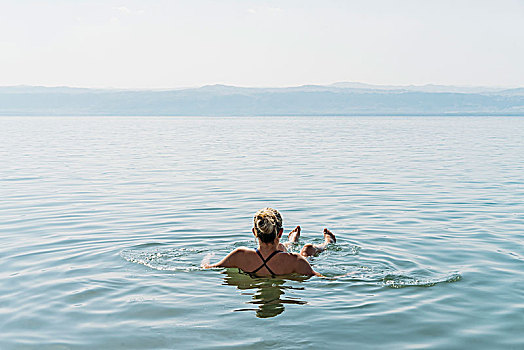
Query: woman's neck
[267,247]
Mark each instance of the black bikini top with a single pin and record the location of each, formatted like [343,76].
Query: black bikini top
[264,261]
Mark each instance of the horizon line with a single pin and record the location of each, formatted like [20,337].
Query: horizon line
[369,85]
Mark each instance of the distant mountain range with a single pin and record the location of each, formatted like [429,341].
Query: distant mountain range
[345,98]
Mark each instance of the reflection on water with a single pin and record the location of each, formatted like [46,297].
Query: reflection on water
[269,292]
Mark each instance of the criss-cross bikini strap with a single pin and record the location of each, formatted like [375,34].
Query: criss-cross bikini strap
[264,261]
[269,257]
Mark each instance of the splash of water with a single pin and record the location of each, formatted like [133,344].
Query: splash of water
[403,281]
[207,259]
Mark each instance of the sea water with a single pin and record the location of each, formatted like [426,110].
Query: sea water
[104,222]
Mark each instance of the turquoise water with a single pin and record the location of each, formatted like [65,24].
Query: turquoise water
[104,223]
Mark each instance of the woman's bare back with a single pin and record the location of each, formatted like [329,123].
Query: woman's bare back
[270,263]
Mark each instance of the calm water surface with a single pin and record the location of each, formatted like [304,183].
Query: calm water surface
[104,223]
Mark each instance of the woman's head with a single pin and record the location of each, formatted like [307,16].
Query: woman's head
[267,224]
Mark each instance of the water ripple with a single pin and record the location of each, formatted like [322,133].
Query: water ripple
[104,223]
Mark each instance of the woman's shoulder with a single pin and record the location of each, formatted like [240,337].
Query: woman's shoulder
[291,256]
[242,250]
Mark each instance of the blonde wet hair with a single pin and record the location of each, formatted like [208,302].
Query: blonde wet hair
[267,223]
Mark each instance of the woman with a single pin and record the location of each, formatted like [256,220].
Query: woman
[271,257]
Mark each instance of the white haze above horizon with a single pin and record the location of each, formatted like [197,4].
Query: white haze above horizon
[169,44]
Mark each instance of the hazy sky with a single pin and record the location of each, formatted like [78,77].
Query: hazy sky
[161,44]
